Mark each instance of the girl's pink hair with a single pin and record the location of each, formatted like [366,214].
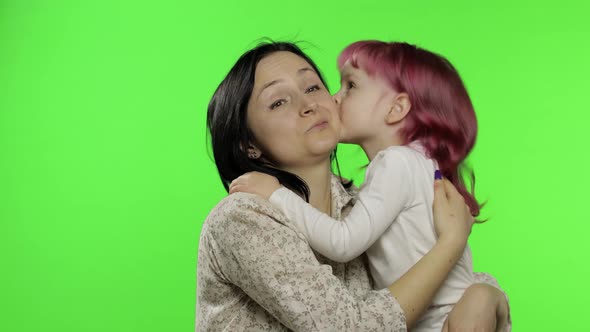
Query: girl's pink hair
[441,116]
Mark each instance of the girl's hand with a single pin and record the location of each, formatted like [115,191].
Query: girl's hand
[257,183]
[482,308]
[452,217]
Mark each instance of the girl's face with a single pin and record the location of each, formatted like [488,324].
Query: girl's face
[292,116]
[364,102]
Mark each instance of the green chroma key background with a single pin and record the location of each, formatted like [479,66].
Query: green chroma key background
[105,178]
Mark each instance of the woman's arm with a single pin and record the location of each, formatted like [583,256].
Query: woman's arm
[413,291]
[277,269]
[482,307]
[416,288]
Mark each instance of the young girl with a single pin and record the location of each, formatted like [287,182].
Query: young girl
[410,112]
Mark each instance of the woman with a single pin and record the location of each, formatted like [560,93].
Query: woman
[273,114]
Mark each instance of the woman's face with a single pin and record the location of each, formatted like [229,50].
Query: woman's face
[291,114]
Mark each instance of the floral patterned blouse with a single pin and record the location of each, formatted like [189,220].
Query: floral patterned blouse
[256,272]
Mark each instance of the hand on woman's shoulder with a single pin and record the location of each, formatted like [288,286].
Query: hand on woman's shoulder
[243,208]
[246,224]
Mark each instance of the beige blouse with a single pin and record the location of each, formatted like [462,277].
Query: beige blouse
[256,272]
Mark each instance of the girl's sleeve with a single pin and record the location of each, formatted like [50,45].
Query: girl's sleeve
[387,190]
[277,269]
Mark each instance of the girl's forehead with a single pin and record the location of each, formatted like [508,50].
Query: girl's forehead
[349,70]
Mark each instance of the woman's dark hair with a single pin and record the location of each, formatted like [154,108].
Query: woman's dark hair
[226,120]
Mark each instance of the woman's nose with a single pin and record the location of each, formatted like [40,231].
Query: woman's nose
[337,99]
[310,107]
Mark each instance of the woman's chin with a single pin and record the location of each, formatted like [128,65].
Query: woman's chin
[323,147]
[344,137]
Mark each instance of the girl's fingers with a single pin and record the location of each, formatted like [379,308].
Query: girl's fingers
[239,184]
[236,188]
[235,183]
[232,188]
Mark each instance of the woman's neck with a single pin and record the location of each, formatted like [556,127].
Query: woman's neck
[318,178]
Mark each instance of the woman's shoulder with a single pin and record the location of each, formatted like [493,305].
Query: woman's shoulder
[243,210]
[245,224]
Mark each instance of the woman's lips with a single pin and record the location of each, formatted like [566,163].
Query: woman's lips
[319,125]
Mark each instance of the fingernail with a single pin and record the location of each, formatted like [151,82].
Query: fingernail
[437,175]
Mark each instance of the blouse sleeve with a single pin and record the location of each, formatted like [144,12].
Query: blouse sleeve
[277,269]
[384,194]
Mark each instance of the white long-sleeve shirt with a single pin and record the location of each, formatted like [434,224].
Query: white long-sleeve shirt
[391,220]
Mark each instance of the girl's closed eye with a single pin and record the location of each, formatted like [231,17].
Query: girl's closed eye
[350,85]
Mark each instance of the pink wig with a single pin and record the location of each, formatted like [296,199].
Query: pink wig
[441,116]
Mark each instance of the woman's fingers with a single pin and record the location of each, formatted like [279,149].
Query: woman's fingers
[502,324]
[440,195]
[502,312]
[475,311]
[452,218]
[451,192]
[456,200]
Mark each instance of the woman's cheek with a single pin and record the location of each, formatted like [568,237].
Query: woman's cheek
[342,111]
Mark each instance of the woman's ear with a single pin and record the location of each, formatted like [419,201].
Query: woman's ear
[400,107]
[253,152]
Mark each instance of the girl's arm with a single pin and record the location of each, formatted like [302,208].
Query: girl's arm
[387,190]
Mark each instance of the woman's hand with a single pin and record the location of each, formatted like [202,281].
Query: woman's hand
[257,183]
[415,289]
[452,217]
[482,308]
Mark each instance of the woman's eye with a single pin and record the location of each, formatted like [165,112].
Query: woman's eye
[277,103]
[350,85]
[312,88]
